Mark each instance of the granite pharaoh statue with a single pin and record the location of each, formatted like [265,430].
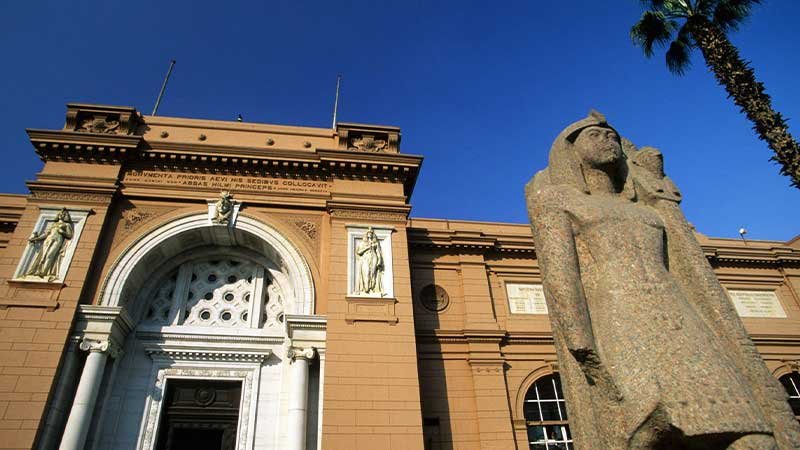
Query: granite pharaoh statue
[652,353]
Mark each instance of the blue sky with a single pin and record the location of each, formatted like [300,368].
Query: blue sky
[480,89]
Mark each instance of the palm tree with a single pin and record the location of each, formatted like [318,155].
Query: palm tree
[703,24]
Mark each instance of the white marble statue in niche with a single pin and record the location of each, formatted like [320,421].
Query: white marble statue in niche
[370,265]
[50,247]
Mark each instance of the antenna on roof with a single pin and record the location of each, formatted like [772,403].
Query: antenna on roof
[163,87]
[336,101]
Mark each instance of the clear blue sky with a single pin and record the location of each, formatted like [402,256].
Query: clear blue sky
[479,88]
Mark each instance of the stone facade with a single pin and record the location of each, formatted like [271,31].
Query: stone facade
[445,361]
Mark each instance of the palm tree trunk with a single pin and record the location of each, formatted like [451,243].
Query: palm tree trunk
[739,80]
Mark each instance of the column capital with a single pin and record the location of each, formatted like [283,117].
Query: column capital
[294,353]
[101,346]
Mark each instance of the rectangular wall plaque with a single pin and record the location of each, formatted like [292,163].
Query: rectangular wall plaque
[526,298]
[756,303]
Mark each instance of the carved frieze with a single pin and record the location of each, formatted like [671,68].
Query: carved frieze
[70,196]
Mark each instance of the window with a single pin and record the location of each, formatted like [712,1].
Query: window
[546,415]
[791,382]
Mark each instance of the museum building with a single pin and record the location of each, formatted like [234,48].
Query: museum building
[175,283]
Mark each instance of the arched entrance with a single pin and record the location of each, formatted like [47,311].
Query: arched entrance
[209,309]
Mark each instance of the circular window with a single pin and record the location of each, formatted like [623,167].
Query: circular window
[205,314]
[434,298]
[229,297]
[226,316]
[247,298]
[212,278]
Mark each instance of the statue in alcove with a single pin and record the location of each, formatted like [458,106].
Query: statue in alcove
[50,247]
[369,265]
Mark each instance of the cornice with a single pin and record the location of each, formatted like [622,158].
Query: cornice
[733,256]
[65,145]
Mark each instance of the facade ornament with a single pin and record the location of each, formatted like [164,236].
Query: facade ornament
[370,265]
[50,247]
[101,346]
[623,271]
[223,211]
[99,124]
[293,353]
[223,208]
[368,143]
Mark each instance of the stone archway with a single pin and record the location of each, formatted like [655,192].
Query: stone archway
[151,250]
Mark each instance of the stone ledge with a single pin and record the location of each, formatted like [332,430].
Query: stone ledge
[371,309]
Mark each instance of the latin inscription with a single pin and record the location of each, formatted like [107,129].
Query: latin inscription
[756,303]
[227,182]
[526,298]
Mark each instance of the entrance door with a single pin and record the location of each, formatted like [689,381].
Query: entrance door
[199,415]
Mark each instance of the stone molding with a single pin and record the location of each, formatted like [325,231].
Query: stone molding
[93,345]
[102,326]
[294,353]
[248,374]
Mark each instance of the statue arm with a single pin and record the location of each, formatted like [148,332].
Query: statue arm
[558,259]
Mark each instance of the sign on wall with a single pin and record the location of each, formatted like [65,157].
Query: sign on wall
[526,298]
[756,303]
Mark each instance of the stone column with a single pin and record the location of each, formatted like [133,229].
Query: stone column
[299,359]
[59,407]
[80,416]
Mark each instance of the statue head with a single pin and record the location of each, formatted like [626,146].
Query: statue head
[650,159]
[225,195]
[587,143]
[63,216]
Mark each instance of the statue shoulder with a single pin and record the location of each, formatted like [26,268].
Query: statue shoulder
[551,197]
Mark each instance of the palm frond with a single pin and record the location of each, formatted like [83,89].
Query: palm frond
[653,28]
[678,55]
[729,14]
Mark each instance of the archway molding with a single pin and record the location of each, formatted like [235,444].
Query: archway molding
[150,251]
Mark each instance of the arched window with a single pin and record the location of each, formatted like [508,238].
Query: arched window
[791,381]
[546,415]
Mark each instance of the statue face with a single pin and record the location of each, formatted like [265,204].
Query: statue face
[598,146]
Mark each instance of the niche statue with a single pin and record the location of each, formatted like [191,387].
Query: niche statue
[369,265]
[651,351]
[50,247]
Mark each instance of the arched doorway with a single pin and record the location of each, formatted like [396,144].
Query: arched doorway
[211,310]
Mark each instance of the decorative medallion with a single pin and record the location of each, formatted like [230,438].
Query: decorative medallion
[434,298]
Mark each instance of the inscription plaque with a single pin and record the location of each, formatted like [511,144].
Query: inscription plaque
[236,183]
[526,298]
[756,303]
